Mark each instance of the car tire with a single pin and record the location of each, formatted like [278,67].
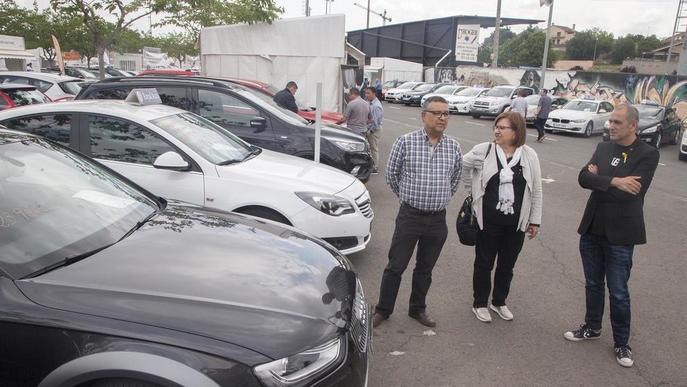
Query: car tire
[658,140]
[265,213]
[475,116]
[589,129]
[120,383]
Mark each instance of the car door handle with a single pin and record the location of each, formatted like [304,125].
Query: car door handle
[283,137]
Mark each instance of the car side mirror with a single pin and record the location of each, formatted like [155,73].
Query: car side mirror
[171,160]
[258,122]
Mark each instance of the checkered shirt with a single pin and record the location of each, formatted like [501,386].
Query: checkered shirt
[422,176]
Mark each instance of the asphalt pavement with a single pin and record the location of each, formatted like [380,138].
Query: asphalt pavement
[547,293]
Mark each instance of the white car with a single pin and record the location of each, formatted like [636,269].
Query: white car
[682,149]
[580,116]
[444,91]
[180,155]
[56,87]
[461,102]
[395,95]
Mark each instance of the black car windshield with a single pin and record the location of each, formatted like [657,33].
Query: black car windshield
[266,102]
[424,87]
[26,97]
[408,85]
[651,112]
[58,205]
[500,92]
[583,106]
[209,140]
[469,92]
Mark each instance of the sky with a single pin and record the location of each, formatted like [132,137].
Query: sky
[619,17]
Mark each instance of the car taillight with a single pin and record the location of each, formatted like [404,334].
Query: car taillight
[8,102]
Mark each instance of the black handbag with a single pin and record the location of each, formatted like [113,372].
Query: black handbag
[466,223]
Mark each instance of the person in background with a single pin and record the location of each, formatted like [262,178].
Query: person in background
[365,85]
[504,177]
[285,98]
[378,89]
[357,112]
[374,127]
[519,104]
[543,110]
[619,175]
[29,67]
[423,172]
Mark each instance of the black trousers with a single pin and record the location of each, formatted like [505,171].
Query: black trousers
[492,241]
[413,227]
[539,124]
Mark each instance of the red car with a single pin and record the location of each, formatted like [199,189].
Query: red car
[13,95]
[303,111]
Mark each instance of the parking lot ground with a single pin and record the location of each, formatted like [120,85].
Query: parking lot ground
[547,294]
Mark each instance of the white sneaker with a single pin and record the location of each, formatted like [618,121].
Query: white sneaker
[482,314]
[502,311]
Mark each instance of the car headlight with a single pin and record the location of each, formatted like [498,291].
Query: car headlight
[606,125]
[578,121]
[301,369]
[347,145]
[651,129]
[329,204]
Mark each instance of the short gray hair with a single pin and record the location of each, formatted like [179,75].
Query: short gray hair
[631,112]
[434,98]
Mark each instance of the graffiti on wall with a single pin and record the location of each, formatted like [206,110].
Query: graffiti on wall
[665,90]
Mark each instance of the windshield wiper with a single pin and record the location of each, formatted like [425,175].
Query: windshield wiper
[138,225]
[66,261]
[230,161]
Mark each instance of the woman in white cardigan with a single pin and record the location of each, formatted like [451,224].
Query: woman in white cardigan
[504,177]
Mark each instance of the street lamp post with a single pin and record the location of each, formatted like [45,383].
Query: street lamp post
[594,56]
[546,43]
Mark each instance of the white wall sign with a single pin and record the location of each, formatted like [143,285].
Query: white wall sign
[467,43]
[11,42]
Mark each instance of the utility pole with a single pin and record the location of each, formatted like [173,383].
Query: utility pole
[307,7]
[497,31]
[546,43]
[369,11]
[680,15]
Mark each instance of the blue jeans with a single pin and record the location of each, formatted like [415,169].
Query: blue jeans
[601,261]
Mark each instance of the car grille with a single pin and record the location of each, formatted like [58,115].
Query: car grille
[343,243]
[360,321]
[560,120]
[365,204]
[481,104]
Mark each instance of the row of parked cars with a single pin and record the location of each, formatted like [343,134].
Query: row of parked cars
[181,243]
[658,125]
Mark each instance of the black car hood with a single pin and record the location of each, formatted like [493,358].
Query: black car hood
[646,122]
[226,276]
[334,130]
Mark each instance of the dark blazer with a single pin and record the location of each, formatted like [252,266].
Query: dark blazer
[622,213]
[285,99]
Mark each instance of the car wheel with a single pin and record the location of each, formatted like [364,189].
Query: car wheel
[589,129]
[658,139]
[676,139]
[120,383]
[265,213]
[477,116]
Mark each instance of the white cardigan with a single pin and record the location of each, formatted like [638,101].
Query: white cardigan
[477,169]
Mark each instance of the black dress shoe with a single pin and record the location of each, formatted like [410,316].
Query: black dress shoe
[423,318]
[377,319]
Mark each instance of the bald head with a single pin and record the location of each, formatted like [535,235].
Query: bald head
[631,113]
[622,126]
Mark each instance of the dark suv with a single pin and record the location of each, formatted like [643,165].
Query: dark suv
[251,116]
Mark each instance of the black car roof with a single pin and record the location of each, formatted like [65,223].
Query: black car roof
[16,86]
[170,79]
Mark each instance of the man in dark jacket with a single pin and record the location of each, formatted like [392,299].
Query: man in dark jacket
[619,175]
[285,98]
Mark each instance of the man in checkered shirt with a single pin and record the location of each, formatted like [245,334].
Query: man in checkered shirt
[423,171]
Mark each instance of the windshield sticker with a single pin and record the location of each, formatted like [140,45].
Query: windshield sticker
[104,199]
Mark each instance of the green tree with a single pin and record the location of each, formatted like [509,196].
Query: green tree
[192,14]
[179,46]
[584,44]
[625,47]
[487,47]
[527,49]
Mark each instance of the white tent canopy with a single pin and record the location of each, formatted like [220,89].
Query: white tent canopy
[304,50]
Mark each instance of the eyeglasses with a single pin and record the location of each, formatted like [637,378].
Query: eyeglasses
[437,114]
[499,127]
